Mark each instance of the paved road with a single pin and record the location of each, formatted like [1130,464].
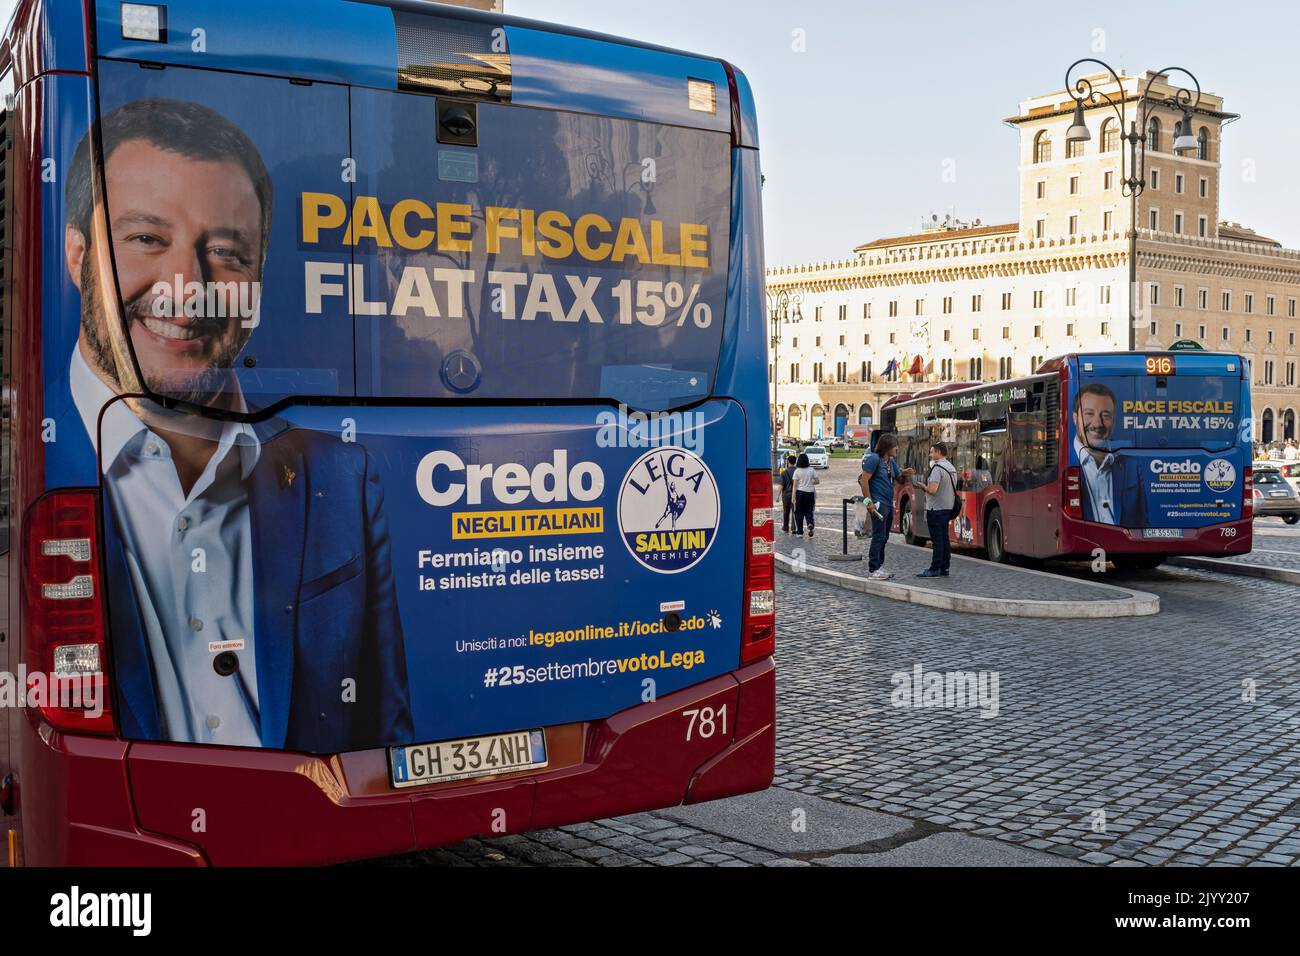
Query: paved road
[1144,741]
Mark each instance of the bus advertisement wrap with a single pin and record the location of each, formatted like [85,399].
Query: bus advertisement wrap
[1158,452]
[340,576]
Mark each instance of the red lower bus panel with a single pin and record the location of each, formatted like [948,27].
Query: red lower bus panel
[196,805]
[263,808]
[640,759]
[84,816]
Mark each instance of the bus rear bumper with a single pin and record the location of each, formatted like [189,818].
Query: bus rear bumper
[121,803]
[1080,539]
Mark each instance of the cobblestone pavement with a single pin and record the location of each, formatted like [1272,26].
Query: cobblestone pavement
[1272,551]
[1158,741]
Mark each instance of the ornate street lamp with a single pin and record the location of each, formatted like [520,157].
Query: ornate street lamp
[1133,161]
[779,303]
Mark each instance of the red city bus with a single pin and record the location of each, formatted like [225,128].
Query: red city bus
[385,448]
[1140,455]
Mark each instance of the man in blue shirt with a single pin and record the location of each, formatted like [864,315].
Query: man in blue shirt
[881,472]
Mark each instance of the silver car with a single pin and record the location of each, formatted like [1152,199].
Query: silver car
[1274,497]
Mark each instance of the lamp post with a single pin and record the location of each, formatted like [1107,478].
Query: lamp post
[779,304]
[1133,135]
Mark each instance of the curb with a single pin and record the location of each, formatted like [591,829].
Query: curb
[1132,604]
[1285,575]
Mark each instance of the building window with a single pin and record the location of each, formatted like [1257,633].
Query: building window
[947,335]
[1155,329]
[1203,144]
[795,341]
[893,309]
[1205,188]
[1155,220]
[1004,367]
[1042,147]
[1153,135]
[1040,226]
[892,338]
[1270,305]
[1178,296]
[1178,330]
[1109,137]
[976,303]
[1073,149]
[920,307]
[817,342]
[1203,298]
[1250,303]
[1178,182]
[1200,329]
[1178,224]
[1071,296]
[1006,331]
[1269,336]
[1069,329]
[1108,179]
[1107,220]
[1268,373]
[1226,301]
[1155,179]
[817,314]
[844,312]
[1223,334]
[1290,373]
[866,339]
[841,341]
[1040,189]
[977,369]
[1105,328]
[1202,226]
[1074,184]
[841,372]
[1153,292]
[866,310]
[1038,298]
[1038,331]
[1249,336]
[1006,301]
[947,305]
[1074,225]
[1290,308]
[794,371]
[947,369]
[975,335]
[1103,295]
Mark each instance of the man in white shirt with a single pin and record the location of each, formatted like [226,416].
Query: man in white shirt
[245,618]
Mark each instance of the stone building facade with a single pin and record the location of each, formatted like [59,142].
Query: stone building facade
[975,302]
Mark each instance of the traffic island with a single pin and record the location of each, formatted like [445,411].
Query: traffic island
[975,586]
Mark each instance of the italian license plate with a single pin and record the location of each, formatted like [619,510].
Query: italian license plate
[418,764]
[1162,532]
[1278,494]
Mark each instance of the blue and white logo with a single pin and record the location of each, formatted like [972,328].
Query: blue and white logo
[668,510]
[1220,475]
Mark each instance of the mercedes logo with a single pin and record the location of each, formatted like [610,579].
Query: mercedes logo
[461,372]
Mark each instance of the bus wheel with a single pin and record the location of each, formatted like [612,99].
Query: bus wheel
[906,523]
[994,540]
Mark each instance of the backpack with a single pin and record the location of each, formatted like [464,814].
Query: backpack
[955,513]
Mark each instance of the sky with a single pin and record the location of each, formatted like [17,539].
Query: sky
[855,131]
[858,127]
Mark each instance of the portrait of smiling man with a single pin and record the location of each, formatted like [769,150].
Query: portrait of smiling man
[1112,483]
[257,557]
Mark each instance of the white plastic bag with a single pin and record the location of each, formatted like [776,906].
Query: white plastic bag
[861,520]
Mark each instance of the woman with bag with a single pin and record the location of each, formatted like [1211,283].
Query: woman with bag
[805,495]
[941,506]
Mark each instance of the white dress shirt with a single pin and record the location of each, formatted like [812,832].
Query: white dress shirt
[1098,484]
[190,559]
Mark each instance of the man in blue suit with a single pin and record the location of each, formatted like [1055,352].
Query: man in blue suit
[249,567]
[1112,481]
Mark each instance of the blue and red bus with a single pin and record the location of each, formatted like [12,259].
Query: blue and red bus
[1135,455]
[386,431]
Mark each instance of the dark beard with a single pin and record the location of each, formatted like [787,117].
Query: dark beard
[205,388]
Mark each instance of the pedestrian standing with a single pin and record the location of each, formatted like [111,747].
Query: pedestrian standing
[787,492]
[940,485]
[880,473]
[805,495]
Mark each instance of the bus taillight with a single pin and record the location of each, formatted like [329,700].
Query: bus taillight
[758,638]
[63,604]
[1073,503]
[1248,493]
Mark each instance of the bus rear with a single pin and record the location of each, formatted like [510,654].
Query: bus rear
[1159,455]
[411,472]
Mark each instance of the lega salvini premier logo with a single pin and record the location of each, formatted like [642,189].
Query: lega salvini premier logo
[668,509]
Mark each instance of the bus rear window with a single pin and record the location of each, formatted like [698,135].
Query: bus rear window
[275,240]
[1158,412]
